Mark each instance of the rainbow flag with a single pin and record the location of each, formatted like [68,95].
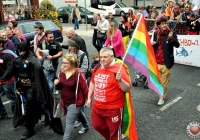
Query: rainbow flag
[129,124]
[145,14]
[168,11]
[9,52]
[140,55]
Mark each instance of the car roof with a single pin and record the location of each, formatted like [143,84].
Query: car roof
[25,21]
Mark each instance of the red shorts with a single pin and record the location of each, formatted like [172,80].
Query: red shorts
[107,122]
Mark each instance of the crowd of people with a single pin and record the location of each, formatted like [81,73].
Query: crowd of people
[21,12]
[29,79]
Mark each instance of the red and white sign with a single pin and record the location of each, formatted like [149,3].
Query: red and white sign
[71,2]
[188,52]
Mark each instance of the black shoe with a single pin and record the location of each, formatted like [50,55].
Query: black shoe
[27,134]
[3,116]
[6,116]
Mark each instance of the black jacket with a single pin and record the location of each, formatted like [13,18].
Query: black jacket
[41,93]
[168,49]
[6,66]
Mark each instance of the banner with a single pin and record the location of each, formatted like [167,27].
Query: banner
[188,52]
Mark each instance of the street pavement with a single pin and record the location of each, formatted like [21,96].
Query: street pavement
[167,122]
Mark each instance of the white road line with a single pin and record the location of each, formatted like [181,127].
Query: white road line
[198,107]
[198,84]
[6,102]
[170,103]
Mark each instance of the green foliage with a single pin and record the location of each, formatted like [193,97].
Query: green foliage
[47,11]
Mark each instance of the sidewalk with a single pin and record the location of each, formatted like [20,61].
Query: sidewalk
[81,31]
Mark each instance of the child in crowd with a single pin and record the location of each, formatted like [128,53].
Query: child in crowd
[96,60]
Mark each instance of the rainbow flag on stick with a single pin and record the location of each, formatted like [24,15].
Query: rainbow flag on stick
[168,11]
[140,55]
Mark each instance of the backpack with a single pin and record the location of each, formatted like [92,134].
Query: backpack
[88,73]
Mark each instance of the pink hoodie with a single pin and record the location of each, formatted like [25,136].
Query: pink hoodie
[117,43]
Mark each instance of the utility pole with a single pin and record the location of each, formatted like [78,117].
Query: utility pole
[86,17]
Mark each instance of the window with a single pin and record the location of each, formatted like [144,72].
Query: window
[82,9]
[29,28]
[60,10]
[122,5]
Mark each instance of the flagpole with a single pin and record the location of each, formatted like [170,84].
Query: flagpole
[129,43]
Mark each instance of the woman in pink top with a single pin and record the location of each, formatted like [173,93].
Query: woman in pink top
[13,24]
[114,40]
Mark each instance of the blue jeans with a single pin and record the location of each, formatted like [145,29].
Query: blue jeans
[10,93]
[76,26]
[50,76]
[100,44]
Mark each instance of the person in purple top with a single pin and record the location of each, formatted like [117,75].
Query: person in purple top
[8,44]
[12,37]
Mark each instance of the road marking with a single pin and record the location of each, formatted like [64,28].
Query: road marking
[198,107]
[170,103]
[6,102]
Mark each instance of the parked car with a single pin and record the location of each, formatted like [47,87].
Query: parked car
[63,16]
[122,9]
[27,28]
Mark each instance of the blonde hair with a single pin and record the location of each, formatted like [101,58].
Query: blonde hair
[95,55]
[111,32]
[72,59]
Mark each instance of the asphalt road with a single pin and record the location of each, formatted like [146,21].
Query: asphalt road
[167,122]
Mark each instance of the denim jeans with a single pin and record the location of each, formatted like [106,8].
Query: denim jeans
[50,76]
[72,113]
[10,93]
[76,26]
[100,44]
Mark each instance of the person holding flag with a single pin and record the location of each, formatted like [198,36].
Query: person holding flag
[110,84]
[163,42]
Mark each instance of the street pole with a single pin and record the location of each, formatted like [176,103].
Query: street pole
[144,3]
[86,17]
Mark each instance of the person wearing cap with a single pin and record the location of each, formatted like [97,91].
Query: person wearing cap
[6,80]
[163,44]
[55,52]
[39,35]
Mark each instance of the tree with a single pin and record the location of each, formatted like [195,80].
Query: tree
[47,11]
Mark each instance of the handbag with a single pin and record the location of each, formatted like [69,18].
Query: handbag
[101,36]
[57,107]
[58,111]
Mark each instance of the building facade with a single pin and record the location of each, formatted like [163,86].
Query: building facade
[7,6]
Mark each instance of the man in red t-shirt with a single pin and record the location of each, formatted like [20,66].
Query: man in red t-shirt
[108,87]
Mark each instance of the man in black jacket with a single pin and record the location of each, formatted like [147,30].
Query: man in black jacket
[33,92]
[70,32]
[163,42]
[6,79]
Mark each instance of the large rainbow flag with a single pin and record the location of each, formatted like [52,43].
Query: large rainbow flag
[140,55]
[129,124]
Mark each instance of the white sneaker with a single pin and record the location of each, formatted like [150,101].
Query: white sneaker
[161,102]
